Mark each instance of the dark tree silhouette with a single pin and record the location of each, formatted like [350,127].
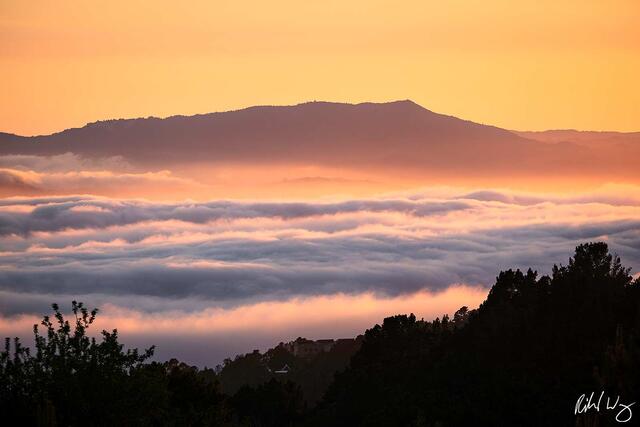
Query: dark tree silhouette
[523,358]
[272,404]
[73,379]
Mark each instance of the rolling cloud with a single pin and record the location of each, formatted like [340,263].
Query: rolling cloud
[18,181]
[55,214]
[160,257]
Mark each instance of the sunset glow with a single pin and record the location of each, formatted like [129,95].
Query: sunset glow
[318,167]
[526,65]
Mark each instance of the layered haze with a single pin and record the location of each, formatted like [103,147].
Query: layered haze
[217,233]
[310,149]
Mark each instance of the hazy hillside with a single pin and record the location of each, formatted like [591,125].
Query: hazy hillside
[316,148]
[395,134]
[582,137]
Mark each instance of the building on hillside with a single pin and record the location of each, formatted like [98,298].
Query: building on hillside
[284,370]
[305,348]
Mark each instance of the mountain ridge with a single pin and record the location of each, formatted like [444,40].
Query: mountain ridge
[122,120]
[398,135]
[523,133]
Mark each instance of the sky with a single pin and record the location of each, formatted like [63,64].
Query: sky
[222,252]
[525,65]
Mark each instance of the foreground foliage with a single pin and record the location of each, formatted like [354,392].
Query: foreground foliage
[74,380]
[522,358]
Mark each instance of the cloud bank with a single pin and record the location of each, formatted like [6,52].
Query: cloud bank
[204,280]
[160,257]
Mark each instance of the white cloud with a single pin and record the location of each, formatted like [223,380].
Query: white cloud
[151,256]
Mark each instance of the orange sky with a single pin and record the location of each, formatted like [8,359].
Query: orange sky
[524,65]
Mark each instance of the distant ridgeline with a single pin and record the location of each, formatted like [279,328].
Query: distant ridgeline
[559,350]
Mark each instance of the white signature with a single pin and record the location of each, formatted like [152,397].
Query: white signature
[585,404]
